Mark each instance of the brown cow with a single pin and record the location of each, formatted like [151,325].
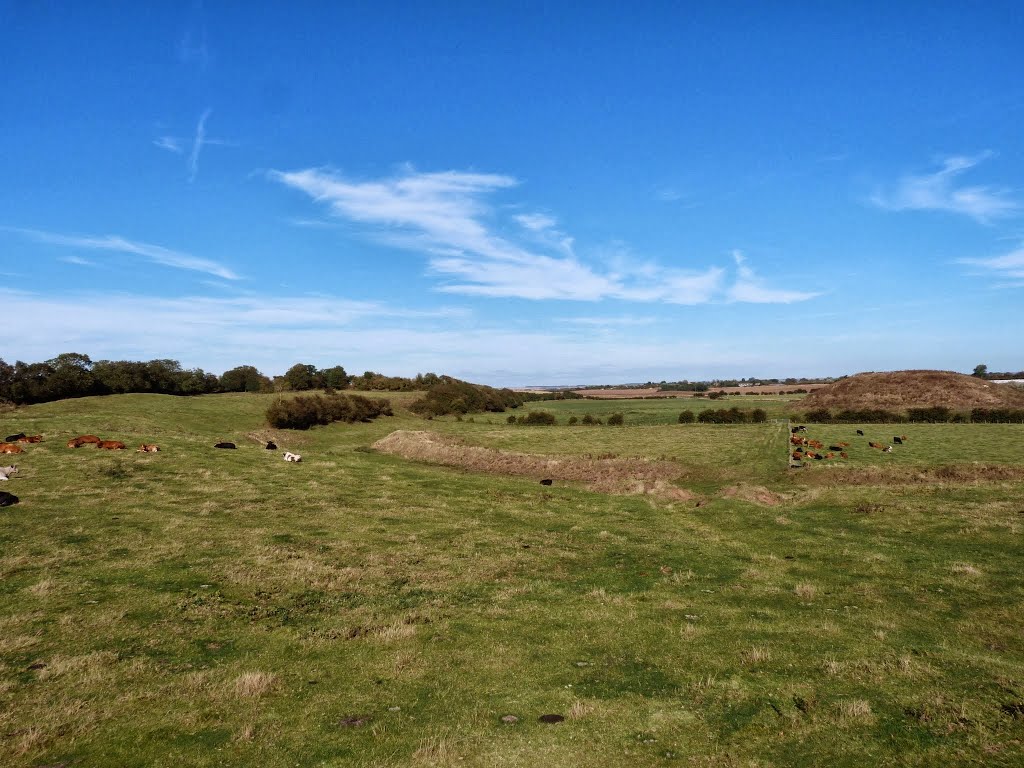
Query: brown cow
[111,445]
[78,442]
[31,439]
[148,448]
[10,448]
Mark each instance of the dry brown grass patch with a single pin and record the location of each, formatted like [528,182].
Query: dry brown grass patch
[755,494]
[610,475]
[854,710]
[805,591]
[254,684]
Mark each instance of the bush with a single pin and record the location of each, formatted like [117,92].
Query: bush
[589,420]
[937,414]
[573,421]
[716,395]
[996,415]
[537,418]
[687,417]
[304,411]
[818,416]
[453,396]
[729,416]
[510,420]
[615,420]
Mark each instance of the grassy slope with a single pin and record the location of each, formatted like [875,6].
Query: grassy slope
[207,607]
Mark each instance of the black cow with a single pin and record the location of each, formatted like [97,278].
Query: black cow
[860,432]
[7,499]
[835,448]
[546,481]
[224,445]
[271,445]
[15,438]
[897,441]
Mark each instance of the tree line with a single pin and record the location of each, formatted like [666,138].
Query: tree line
[72,374]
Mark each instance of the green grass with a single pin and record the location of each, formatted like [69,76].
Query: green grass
[203,607]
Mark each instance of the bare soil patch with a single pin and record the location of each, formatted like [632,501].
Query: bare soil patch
[621,476]
[755,494]
[899,390]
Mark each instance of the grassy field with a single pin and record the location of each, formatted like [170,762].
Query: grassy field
[202,607]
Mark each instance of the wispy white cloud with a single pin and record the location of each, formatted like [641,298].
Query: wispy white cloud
[193,46]
[1009,266]
[749,287]
[77,260]
[199,140]
[197,145]
[155,253]
[939,191]
[445,216]
[535,222]
[170,143]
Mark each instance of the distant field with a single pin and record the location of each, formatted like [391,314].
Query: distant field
[200,607]
[631,393]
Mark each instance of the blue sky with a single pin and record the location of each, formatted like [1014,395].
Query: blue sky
[515,193]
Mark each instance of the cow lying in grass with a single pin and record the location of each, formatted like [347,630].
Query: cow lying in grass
[10,448]
[6,472]
[7,499]
[148,448]
[289,456]
[81,440]
[111,445]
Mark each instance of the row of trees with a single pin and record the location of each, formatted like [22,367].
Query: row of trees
[76,375]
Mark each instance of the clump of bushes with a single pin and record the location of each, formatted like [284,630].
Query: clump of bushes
[687,417]
[731,416]
[716,395]
[461,397]
[616,420]
[573,421]
[305,411]
[537,418]
[589,420]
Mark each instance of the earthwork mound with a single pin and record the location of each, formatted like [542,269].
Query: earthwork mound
[626,476]
[900,390]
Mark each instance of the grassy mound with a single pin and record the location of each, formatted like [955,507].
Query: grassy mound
[900,390]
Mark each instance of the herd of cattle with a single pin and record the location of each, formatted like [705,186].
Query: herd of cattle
[12,445]
[805,448]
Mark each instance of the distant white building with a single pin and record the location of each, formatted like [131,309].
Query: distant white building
[1007,381]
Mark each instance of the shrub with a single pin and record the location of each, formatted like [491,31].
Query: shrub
[687,417]
[819,416]
[573,421]
[758,416]
[589,420]
[716,395]
[510,420]
[454,396]
[304,411]
[937,414]
[537,418]
[616,420]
